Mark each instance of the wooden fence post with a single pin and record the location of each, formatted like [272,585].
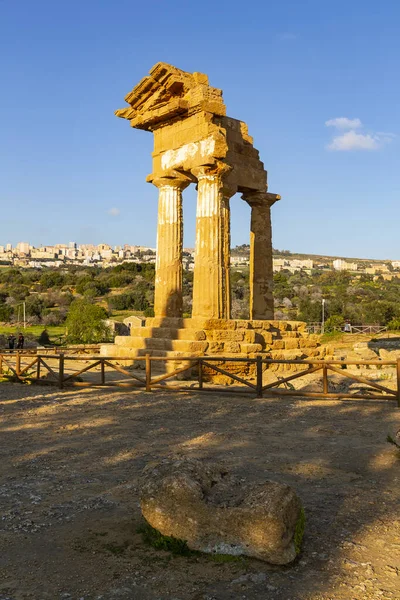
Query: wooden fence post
[102,372]
[398,382]
[148,373]
[1,364]
[18,364]
[38,368]
[61,372]
[325,379]
[259,385]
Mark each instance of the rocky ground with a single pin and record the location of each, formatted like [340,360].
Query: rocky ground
[69,510]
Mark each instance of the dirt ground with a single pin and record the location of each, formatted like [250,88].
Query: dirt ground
[69,512]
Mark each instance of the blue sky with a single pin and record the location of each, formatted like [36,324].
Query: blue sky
[71,171]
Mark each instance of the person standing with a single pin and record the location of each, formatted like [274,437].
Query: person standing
[11,341]
[21,341]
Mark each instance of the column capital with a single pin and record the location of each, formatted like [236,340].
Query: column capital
[218,172]
[260,198]
[174,182]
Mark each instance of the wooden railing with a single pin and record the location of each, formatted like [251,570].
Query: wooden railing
[92,349]
[58,369]
[373,329]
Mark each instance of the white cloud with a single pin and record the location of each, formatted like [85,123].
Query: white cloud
[114,212]
[352,140]
[344,123]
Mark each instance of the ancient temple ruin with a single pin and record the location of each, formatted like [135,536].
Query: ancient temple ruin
[195,142]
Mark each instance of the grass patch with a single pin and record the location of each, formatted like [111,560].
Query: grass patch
[299,531]
[56,332]
[154,538]
[332,336]
[178,547]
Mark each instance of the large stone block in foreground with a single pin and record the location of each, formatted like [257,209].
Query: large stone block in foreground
[215,512]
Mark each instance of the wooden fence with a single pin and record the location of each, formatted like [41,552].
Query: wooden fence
[58,369]
[80,349]
[372,329]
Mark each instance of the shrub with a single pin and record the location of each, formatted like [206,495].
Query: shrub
[334,323]
[394,324]
[85,323]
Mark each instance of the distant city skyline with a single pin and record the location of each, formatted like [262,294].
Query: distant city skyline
[135,247]
[320,100]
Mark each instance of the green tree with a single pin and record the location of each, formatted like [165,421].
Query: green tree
[86,323]
[52,279]
[34,306]
[5,312]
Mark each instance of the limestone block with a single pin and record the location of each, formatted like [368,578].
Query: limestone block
[250,336]
[292,334]
[285,326]
[196,335]
[275,324]
[314,353]
[189,346]
[215,512]
[361,350]
[258,324]
[228,336]
[170,322]
[291,344]
[127,341]
[306,343]
[248,348]
[389,354]
[266,336]
[243,324]
[141,331]
[278,344]
[294,354]
[232,347]
[277,355]
[215,347]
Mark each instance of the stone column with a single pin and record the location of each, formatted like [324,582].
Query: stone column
[211,284]
[168,283]
[261,270]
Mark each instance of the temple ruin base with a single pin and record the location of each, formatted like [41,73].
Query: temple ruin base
[228,338]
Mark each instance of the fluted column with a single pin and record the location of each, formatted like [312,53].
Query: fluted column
[261,269]
[211,284]
[168,283]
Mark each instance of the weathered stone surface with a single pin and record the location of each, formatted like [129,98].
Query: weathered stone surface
[216,347]
[231,347]
[216,513]
[365,353]
[168,282]
[212,324]
[250,348]
[228,336]
[279,344]
[389,354]
[266,336]
[307,343]
[291,344]
[250,336]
